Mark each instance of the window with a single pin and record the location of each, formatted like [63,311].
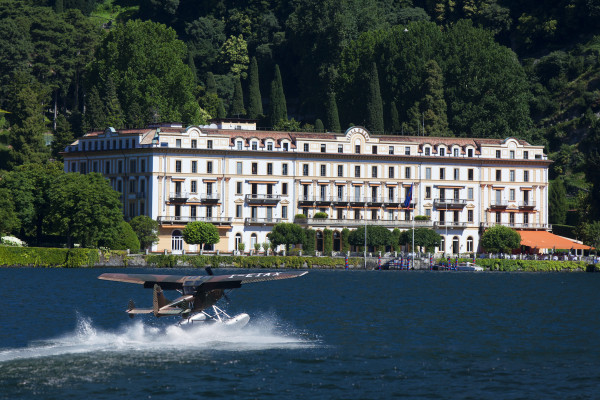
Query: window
[442,173]
[391,172]
[239,144]
[455,152]
[512,194]
[323,148]
[209,211]
[498,175]
[525,176]
[209,144]
[456,174]
[525,155]
[254,168]
[497,153]
[120,166]
[284,213]
[209,167]
[254,145]
[511,218]
[194,143]
[469,152]
[340,169]
[340,148]
[374,149]
[407,151]
[511,175]
[284,188]
[469,244]
[177,166]
[195,167]
[427,151]
[469,215]
[177,143]
[238,167]
[284,169]
[391,150]
[269,168]
[142,165]
[238,211]
[407,172]
[428,173]
[270,146]
[194,187]
[428,212]
[374,171]
[498,217]
[357,171]
[427,192]
[512,154]
[106,167]
[286,146]
[132,186]
[323,170]
[305,169]
[470,193]
[306,147]
[442,152]
[238,187]
[526,218]
[357,148]
[470,173]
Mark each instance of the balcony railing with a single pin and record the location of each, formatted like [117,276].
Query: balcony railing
[173,220]
[262,221]
[520,225]
[178,197]
[498,204]
[449,224]
[441,203]
[263,198]
[530,204]
[210,197]
[354,200]
[388,223]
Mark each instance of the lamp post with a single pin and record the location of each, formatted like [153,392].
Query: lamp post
[365,248]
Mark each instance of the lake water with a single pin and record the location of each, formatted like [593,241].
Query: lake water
[327,335]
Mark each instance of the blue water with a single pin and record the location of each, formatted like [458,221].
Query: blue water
[327,335]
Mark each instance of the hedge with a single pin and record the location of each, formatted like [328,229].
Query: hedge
[48,257]
[215,261]
[531,265]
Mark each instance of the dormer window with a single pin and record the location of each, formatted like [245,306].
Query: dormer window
[239,144]
[254,145]
[427,151]
[469,152]
[270,146]
[455,152]
[209,144]
[442,151]
[285,146]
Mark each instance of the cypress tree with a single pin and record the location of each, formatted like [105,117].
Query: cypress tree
[433,104]
[238,99]
[192,65]
[319,126]
[114,113]
[59,6]
[333,119]
[255,109]
[278,105]
[211,85]
[374,103]
[94,111]
[557,202]
[221,110]
[395,120]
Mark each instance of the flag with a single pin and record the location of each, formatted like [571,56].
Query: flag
[408,197]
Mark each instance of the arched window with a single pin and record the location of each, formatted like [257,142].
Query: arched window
[253,240]
[337,241]
[469,244]
[455,245]
[238,240]
[443,245]
[319,244]
[176,241]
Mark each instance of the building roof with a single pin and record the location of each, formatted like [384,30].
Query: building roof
[547,240]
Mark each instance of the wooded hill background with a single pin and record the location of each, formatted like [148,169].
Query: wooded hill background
[497,68]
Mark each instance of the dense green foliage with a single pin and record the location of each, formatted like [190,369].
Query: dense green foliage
[495,264]
[202,233]
[377,236]
[47,257]
[146,230]
[126,239]
[500,239]
[286,234]
[425,238]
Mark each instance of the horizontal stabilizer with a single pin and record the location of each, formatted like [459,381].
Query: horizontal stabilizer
[169,311]
[140,311]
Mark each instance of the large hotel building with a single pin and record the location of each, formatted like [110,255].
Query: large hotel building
[245,181]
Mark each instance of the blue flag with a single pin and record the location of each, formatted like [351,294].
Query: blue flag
[408,197]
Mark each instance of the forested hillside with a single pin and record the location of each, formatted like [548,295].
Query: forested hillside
[477,68]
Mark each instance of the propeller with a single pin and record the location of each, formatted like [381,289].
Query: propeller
[209,270]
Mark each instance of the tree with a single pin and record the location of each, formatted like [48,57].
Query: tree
[114,113]
[95,115]
[211,85]
[146,230]
[377,236]
[199,232]
[500,239]
[234,55]
[557,202]
[424,237]
[63,136]
[333,119]
[394,118]
[9,222]
[374,103]
[591,234]
[237,108]
[126,239]
[319,126]
[345,242]
[433,104]
[286,233]
[85,209]
[278,103]
[221,110]
[327,241]
[255,109]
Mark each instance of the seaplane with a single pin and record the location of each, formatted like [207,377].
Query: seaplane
[198,294]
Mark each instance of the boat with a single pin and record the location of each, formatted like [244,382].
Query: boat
[469,267]
[217,317]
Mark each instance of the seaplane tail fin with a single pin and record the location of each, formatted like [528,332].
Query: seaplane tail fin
[159,301]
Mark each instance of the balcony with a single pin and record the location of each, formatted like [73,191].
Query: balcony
[340,200]
[263,199]
[527,205]
[374,201]
[178,197]
[391,202]
[355,223]
[140,195]
[449,224]
[357,201]
[498,204]
[262,221]
[178,220]
[449,203]
[305,200]
[533,226]
[210,197]
[323,200]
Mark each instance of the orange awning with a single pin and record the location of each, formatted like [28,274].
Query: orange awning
[547,240]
